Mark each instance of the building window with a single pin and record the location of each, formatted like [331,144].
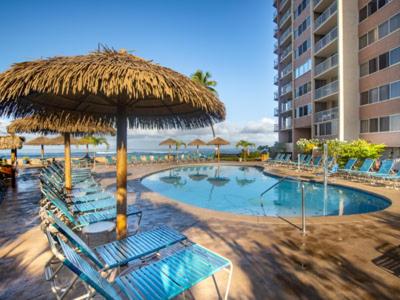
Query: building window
[380,32]
[301,7]
[363,14]
[302,48]
[364,99]
[373,65]
[395,56]
[373,125]
[371,8]
[384,92]
[302,27]
[384,61]
[304,68]
[364,126]
[384,29]
[364,69]
[395,90]
[373,95]
[363,41]
[395,123]
[384,124]
[395,22]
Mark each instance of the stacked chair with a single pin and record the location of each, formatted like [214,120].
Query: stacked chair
[157,264]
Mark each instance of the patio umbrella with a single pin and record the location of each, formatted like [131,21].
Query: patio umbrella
[111,86]
[197,143]
[38,124]
[218,142]
[13,143]
[169,143]
[39,141]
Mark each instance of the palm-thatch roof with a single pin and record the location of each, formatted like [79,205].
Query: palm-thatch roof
[11,142]
[218,141]
[168,142]
[39,124]
[98,83]
[59,140]
[41,140]
[197,142]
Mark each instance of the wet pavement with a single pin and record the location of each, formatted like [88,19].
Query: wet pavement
[349,258]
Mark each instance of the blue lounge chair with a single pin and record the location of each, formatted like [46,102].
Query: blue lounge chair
[163,279]
[364,169]
[109,160]
[349,165]
[316,161]
[384,170]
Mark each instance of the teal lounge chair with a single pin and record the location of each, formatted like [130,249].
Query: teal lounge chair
[316,161]
[349,165]
[163,279]
[138,246]
[307,161]
[364,169]
[109,160]
[384,170]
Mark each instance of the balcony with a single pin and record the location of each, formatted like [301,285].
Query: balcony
[286,71]
[326,90]
[284,18]
[285,53]
[284,37]
[285,107]
[276,79]
[327,129]
[276,62]
[326,20]
[286,124]
[321,5]
[326,115]
[276,47]
[276,127]
[276,111]
[276,96]
[328,64]
[325,45]
[275,15]
[287,88]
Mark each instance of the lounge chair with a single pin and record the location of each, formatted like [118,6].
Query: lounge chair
[109,160]
[384,170]
[109,255]
[163,279]
[349,165]
[364,169]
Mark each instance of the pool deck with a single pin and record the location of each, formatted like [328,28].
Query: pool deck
[347,257]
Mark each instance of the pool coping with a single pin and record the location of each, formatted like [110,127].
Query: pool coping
[204,213]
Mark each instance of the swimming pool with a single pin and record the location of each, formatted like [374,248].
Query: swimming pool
[237,190]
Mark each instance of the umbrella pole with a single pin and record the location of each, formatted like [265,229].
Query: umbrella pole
[13,166]
[42,151]
[67,161]
[121,173]
[218,153]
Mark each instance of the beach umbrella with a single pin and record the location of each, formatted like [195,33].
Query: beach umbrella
[110,86]
[12,142]
[39,124]
[168,142]
[218,142]
[39,141]
[197,143]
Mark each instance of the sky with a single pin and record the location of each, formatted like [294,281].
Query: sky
[232,39]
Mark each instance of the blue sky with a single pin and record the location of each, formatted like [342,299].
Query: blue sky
[232,39]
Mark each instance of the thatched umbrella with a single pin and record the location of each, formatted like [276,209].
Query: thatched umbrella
[38,124]
[168,142]
[197,143]
[218,142]
[110,86]
[13,143]
[39,141]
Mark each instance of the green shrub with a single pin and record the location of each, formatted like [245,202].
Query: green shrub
[306,146]
[359,149]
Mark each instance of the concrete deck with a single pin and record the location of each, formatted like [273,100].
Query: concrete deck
[351,257]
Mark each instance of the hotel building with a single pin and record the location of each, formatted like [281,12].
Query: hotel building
[338,70]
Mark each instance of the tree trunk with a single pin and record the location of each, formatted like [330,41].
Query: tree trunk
[67,161]
[121,173]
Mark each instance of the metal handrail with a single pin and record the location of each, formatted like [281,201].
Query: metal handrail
[274,185]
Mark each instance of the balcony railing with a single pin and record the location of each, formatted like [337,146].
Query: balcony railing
[286,124]
[285,35]
[276,62]
[286,70]
[284,18]
[286,89]
[329,37]
[326,115]
[285,52]
[331,10]
[328,63]
[282,4]
[316,2]
[276,79]
[327,128]
[326,90]
[276,127]
[276,111]
[276,96]
[286,106]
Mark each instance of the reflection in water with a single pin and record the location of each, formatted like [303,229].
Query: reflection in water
[237,190]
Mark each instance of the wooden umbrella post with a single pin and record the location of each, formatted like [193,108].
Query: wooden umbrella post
[42,151]
[218,153]
[13,166]
[67,161]
[121,173]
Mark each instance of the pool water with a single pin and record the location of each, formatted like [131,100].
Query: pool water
[237,190]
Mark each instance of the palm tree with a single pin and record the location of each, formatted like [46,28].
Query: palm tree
[245,145]
[204,78]
[95,141]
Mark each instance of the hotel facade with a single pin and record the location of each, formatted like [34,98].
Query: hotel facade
[338,70]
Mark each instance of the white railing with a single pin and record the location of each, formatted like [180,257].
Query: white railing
[331,10]
[286,106]
[328,63]
[284,18]
[276,96]
[287,88]
[286,124]
[326,115]
[285,52]
[282,4]
[276,111]
[329,37]
[285,35]
[326,90]
[286,70]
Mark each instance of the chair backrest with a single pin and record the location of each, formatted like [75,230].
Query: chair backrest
[87,273]
[307,160]
[74,239]
[287,157]
[367,164]
[350,164]
[386,167]
[317,160]
[63,208]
